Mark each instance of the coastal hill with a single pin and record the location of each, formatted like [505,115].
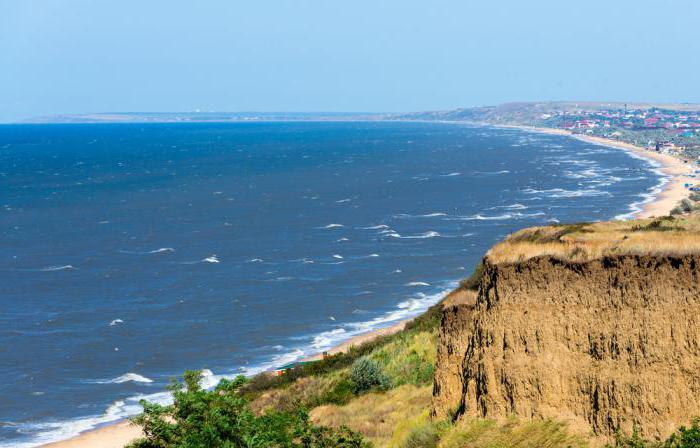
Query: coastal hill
[593,324]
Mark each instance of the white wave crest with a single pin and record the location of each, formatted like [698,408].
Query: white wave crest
[427,215]
[58,268]
[211,259]
[429,234]
[331,226]
[562,193]
[126,378]
[417,284]
[161,250]
[149,252]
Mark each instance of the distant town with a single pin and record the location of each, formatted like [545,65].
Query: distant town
[663,130]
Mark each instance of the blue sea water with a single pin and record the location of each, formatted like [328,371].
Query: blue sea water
[131,252]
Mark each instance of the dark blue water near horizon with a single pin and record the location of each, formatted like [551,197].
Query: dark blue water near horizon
[132,252]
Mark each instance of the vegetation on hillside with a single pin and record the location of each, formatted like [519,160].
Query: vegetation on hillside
[222,418]
[669,235]
[684,437]
[379,393]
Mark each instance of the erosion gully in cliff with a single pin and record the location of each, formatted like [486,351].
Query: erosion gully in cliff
[594,324]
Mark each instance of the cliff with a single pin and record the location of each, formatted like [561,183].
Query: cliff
[578,324]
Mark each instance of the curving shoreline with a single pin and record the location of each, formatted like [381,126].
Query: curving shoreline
[117,434]
[670,167]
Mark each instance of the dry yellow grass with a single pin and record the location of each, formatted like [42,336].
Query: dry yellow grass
[582,242]
[375,415]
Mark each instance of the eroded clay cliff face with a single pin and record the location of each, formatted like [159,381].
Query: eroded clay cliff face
[606,344]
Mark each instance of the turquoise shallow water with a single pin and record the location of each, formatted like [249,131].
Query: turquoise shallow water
[133,252]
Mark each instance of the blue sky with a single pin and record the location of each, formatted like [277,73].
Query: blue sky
[77,56]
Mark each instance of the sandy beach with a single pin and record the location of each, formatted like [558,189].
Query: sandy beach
[111,436]
[673,168]
[673,191]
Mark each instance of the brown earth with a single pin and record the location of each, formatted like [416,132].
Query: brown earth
[606,344]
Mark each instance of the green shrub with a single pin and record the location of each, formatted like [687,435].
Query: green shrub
[339,395]
[685,437]
[425,435]
[222,418]
[682,438]
[366,375]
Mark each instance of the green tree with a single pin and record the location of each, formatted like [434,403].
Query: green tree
[221,418]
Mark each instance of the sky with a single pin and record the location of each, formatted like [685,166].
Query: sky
[84,56]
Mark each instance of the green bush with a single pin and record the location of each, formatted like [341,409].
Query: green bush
[366,374]
[222,418]
[685,437]
[425,435]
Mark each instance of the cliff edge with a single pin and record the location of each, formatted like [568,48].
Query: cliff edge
[594,324]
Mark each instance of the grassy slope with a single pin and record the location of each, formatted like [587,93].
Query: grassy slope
[398,417]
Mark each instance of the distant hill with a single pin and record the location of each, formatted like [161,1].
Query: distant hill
[527,112]
[198,117]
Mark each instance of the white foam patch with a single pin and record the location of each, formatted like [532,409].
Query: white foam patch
[491,173]
[417,284]
[503,217]
[211,259]
[161,250]
[331,226]
[149,252]
[427,215]
[556,193]
[126,378]
[429,234]
[65,267]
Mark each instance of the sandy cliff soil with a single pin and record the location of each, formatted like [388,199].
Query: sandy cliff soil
[605,344]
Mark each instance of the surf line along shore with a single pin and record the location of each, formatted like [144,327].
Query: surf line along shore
[674,169]
[116,435]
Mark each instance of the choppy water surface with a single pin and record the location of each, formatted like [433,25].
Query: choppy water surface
[133,252]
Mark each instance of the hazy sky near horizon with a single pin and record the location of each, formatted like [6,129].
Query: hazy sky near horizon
[77,56]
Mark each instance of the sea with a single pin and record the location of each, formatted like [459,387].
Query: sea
[130,253]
